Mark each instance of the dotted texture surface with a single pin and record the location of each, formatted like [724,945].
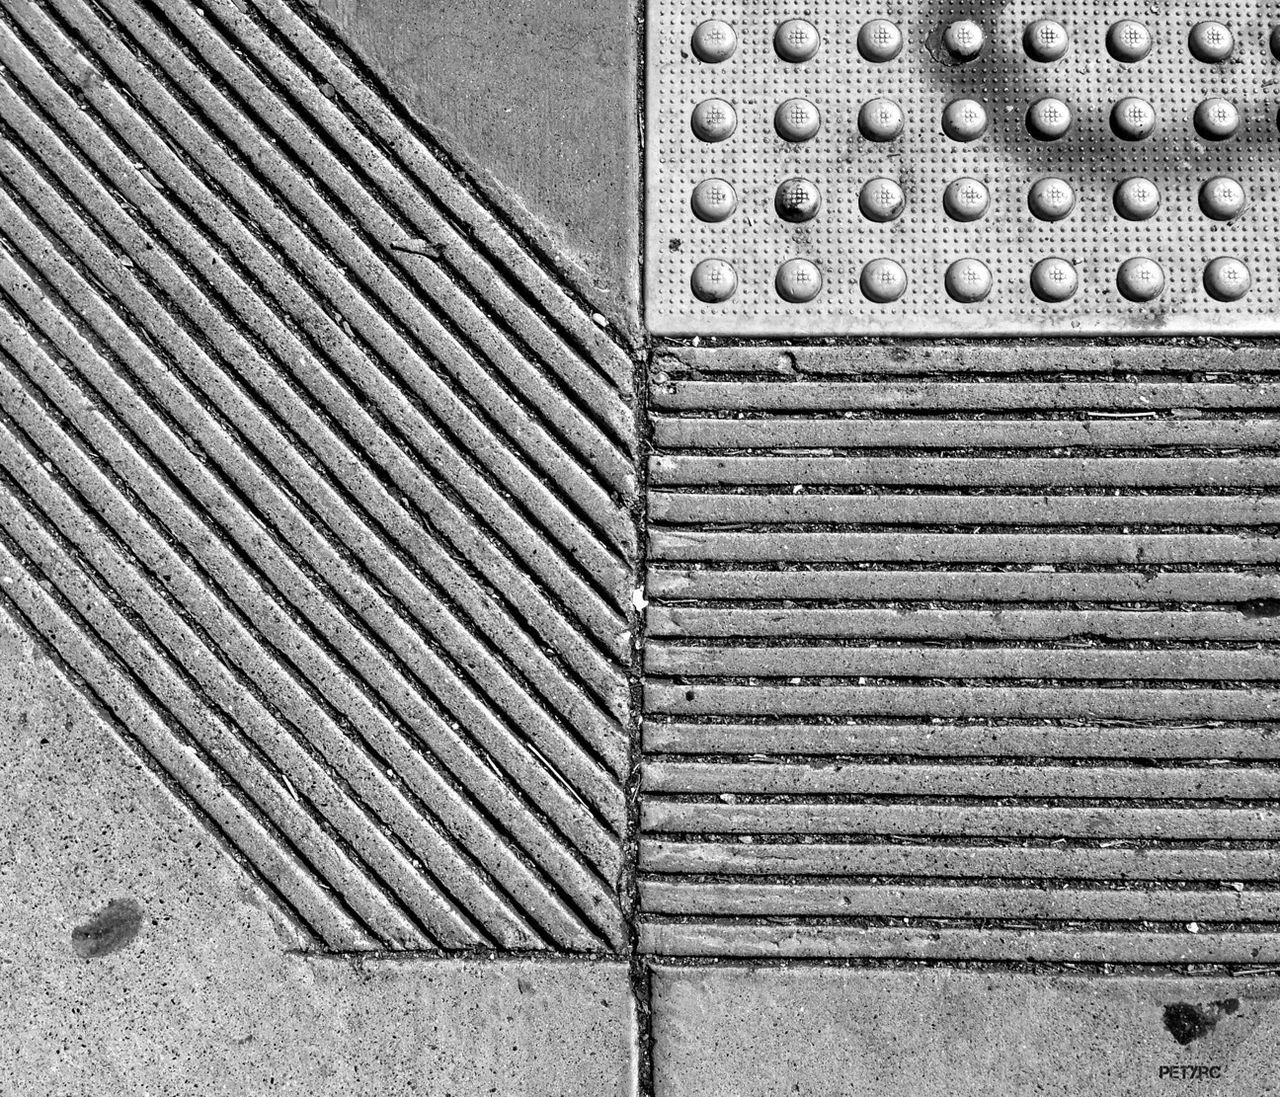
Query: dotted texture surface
[840,240]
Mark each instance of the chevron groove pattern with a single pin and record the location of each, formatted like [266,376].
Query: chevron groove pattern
[313,477]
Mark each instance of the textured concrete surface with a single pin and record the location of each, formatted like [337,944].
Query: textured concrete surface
[946,663]
[138,958]
[363,506]
[537,100]
[1158,359]
[1000,155]
[322,484]
[832,1032]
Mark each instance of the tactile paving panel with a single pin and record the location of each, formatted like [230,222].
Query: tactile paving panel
[968,666]
[345,558]
[1174,162]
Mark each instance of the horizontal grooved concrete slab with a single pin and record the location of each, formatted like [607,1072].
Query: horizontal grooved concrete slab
[1000,585]
[1072,946]
[802,778]
[1030,583]
[1098,549]
[970,472]
[688,622]
[829,508]
[940,396]
[718,816]
[941,739]
[819,661]
[963,702]
[1176,360]
[819,432]
[924,901]
[761,858]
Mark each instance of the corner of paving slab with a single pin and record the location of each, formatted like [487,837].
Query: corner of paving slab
[139,958]
[537,104]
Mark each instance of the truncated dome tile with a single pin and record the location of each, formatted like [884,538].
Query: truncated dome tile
[1026,169]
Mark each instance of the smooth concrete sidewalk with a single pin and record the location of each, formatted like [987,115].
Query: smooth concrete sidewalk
[937,1032]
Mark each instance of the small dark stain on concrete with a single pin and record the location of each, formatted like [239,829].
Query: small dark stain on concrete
[111,929]
[1187,1021]
[1261,607]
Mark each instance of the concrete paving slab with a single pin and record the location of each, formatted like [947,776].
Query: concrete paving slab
[139,958]
[537,102]
[319,474]
[858,176]
[932,1032]
[926,632]
[364,507]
